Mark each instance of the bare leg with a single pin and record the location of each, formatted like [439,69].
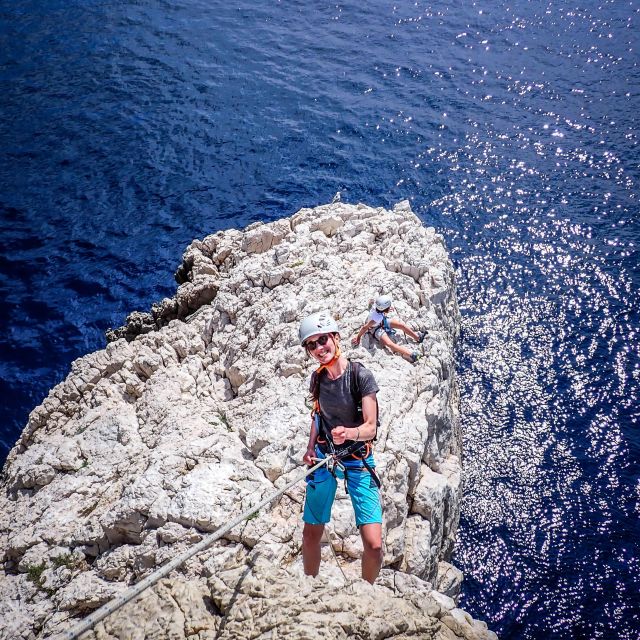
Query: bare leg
[311,553]
[405,328]
[386,341]
[371,535]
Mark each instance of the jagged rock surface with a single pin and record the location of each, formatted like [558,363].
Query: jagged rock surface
[197,411]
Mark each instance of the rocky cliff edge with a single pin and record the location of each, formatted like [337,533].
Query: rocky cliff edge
[197,410]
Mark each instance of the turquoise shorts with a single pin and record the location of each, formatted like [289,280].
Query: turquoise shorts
[363,491]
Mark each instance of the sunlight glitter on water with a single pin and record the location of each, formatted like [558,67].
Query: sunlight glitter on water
[511,127]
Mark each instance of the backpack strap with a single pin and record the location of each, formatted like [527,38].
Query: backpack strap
[354,383]
[354,386]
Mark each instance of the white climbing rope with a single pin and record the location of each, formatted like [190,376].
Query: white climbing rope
[107,609]
[327,537]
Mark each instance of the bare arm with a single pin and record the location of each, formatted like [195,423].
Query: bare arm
[367,430]
[311,447]
[365,327]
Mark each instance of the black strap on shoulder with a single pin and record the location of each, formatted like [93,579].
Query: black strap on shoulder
[357,394]
[354,383]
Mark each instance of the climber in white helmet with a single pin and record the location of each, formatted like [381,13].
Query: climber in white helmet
[382,328]
[344,425]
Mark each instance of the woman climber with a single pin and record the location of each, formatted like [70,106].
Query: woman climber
[383,328]
[344,424]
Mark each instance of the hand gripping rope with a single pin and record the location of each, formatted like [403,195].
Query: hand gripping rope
[119,601]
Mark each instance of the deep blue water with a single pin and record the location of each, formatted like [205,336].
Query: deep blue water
[129,128]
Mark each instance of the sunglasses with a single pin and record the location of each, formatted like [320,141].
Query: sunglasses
[321,341]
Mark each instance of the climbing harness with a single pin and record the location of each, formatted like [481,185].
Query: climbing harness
[110,607]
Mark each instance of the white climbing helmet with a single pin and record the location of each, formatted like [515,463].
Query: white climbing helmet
[383,303]
[320,322]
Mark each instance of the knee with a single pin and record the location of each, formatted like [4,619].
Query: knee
[311,535]
[373,546]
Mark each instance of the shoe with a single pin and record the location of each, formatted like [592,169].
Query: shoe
[415,356]
[421,336]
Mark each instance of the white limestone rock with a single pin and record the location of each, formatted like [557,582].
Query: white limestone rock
[200,412]
[449,580]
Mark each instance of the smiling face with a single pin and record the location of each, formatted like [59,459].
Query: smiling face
[322,346]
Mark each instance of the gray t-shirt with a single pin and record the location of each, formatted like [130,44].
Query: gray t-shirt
[336,401]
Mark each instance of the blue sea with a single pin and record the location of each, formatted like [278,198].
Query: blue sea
[129,128]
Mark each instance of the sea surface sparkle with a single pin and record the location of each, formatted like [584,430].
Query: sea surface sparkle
[130,128]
